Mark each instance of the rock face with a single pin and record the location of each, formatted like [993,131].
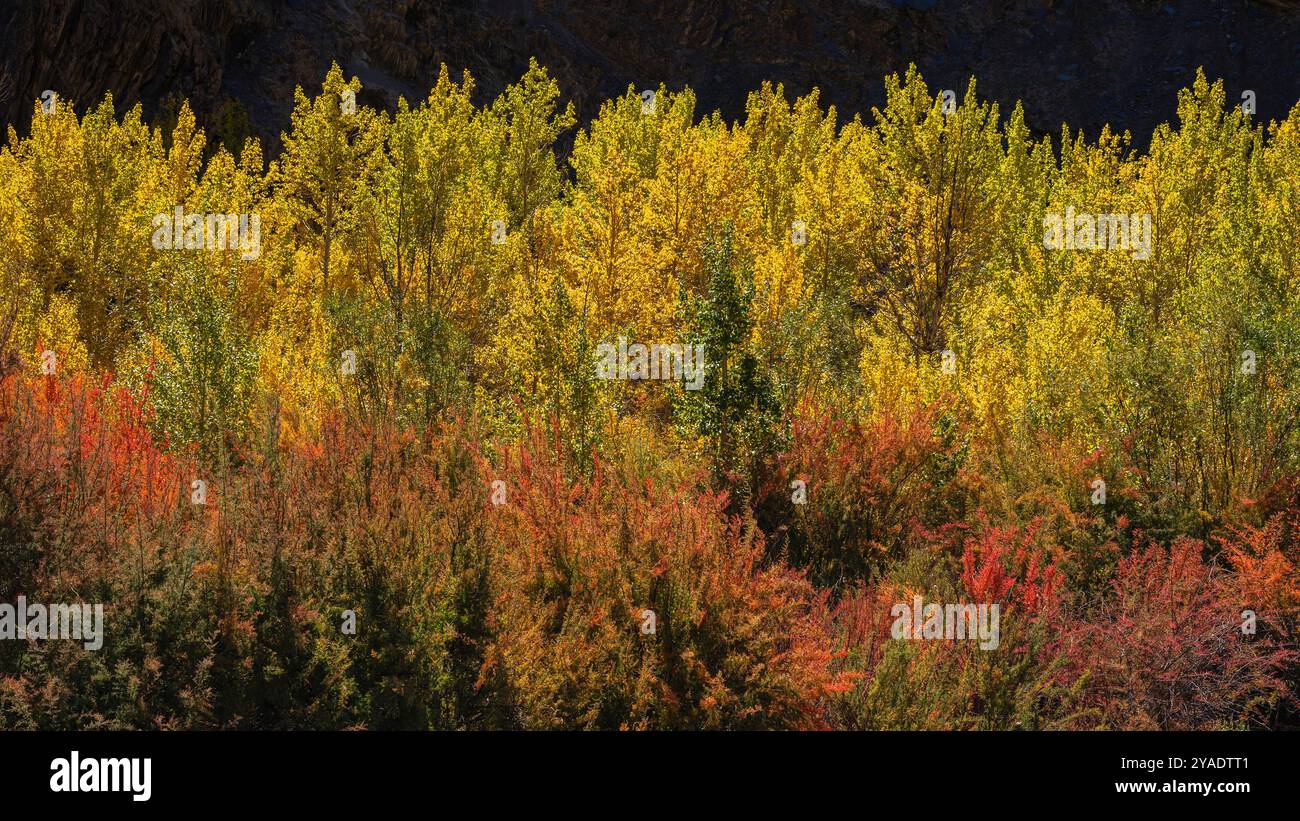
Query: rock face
[1086,62]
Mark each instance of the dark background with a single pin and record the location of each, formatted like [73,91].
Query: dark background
[1088,62]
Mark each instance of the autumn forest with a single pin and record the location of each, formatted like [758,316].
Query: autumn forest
[470,416]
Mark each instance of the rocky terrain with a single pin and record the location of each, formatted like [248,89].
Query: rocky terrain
[1087,62]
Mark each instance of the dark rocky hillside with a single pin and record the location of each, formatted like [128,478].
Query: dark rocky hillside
[1088,62]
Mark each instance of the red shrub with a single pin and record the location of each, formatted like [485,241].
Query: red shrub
[949,684]
[736,644]
[1166,649]
[869,485]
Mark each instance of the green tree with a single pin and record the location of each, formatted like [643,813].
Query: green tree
[735,410]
